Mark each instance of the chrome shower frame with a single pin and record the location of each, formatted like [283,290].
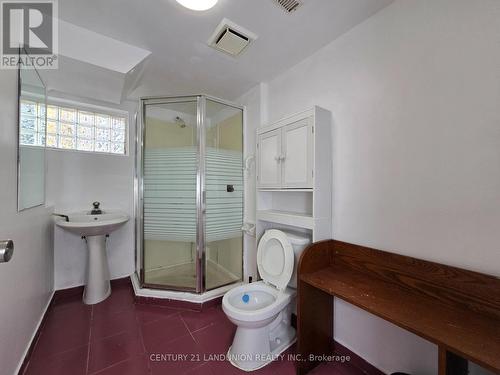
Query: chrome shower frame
[200,261]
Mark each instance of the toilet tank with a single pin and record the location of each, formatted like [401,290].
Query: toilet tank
[299,242]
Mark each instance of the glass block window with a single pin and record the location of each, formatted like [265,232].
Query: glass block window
[32,123]
[71,128]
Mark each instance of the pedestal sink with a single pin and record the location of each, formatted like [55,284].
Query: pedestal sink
[95,228]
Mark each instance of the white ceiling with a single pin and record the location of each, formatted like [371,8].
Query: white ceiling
[108,73]
[182,63]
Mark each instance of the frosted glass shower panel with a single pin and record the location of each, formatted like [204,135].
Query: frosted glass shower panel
[191,183]
[170,168]
[224,193]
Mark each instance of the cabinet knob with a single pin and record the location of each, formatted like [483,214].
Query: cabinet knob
[277,158]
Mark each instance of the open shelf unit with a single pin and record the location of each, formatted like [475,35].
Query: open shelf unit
[305,208]
[287,218]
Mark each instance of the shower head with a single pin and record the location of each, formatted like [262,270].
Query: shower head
[180,122]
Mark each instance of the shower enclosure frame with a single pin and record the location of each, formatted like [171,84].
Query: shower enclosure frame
[200,260]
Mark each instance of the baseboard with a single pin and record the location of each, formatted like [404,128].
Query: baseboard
[31,345]
[75,289]
[144,300]
[176,304]
[176,299]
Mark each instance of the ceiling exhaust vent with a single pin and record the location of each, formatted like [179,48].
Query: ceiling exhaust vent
[288,6]
[231,38]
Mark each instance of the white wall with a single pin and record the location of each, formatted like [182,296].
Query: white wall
[26,282]
[414,93]
[75,180]
[255,112]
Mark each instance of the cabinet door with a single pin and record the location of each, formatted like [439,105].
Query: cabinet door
[269,172]
[297,158]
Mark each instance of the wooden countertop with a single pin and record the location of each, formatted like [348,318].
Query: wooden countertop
[467,333]
[457,309]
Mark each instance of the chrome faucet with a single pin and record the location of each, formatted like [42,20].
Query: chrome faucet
[66,217]
[96,210]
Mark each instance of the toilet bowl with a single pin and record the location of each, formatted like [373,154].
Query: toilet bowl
[262,310]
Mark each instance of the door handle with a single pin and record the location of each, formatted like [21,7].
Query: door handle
[6,250]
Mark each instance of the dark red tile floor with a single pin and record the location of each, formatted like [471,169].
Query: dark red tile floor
[120,337]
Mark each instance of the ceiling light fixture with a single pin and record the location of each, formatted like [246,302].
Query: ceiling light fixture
[197,4]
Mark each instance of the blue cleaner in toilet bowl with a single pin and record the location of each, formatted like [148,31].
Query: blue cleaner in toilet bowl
[245,298]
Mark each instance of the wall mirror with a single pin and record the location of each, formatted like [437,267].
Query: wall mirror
[31,141]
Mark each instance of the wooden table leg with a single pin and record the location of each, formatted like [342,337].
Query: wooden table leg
[442,361]
[314,326]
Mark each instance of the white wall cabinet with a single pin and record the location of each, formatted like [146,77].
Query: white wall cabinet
[297,155]
[269,149]
[294,175]
[285,156]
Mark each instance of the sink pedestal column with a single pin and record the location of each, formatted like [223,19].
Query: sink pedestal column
[97,287]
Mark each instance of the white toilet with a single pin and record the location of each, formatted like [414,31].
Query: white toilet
[262,310]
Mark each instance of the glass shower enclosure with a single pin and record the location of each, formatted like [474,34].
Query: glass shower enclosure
[189,162]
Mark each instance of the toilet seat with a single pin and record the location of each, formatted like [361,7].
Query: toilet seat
[253,312]
[275,259]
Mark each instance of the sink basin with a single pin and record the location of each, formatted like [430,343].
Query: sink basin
[95,229]
[85,224]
